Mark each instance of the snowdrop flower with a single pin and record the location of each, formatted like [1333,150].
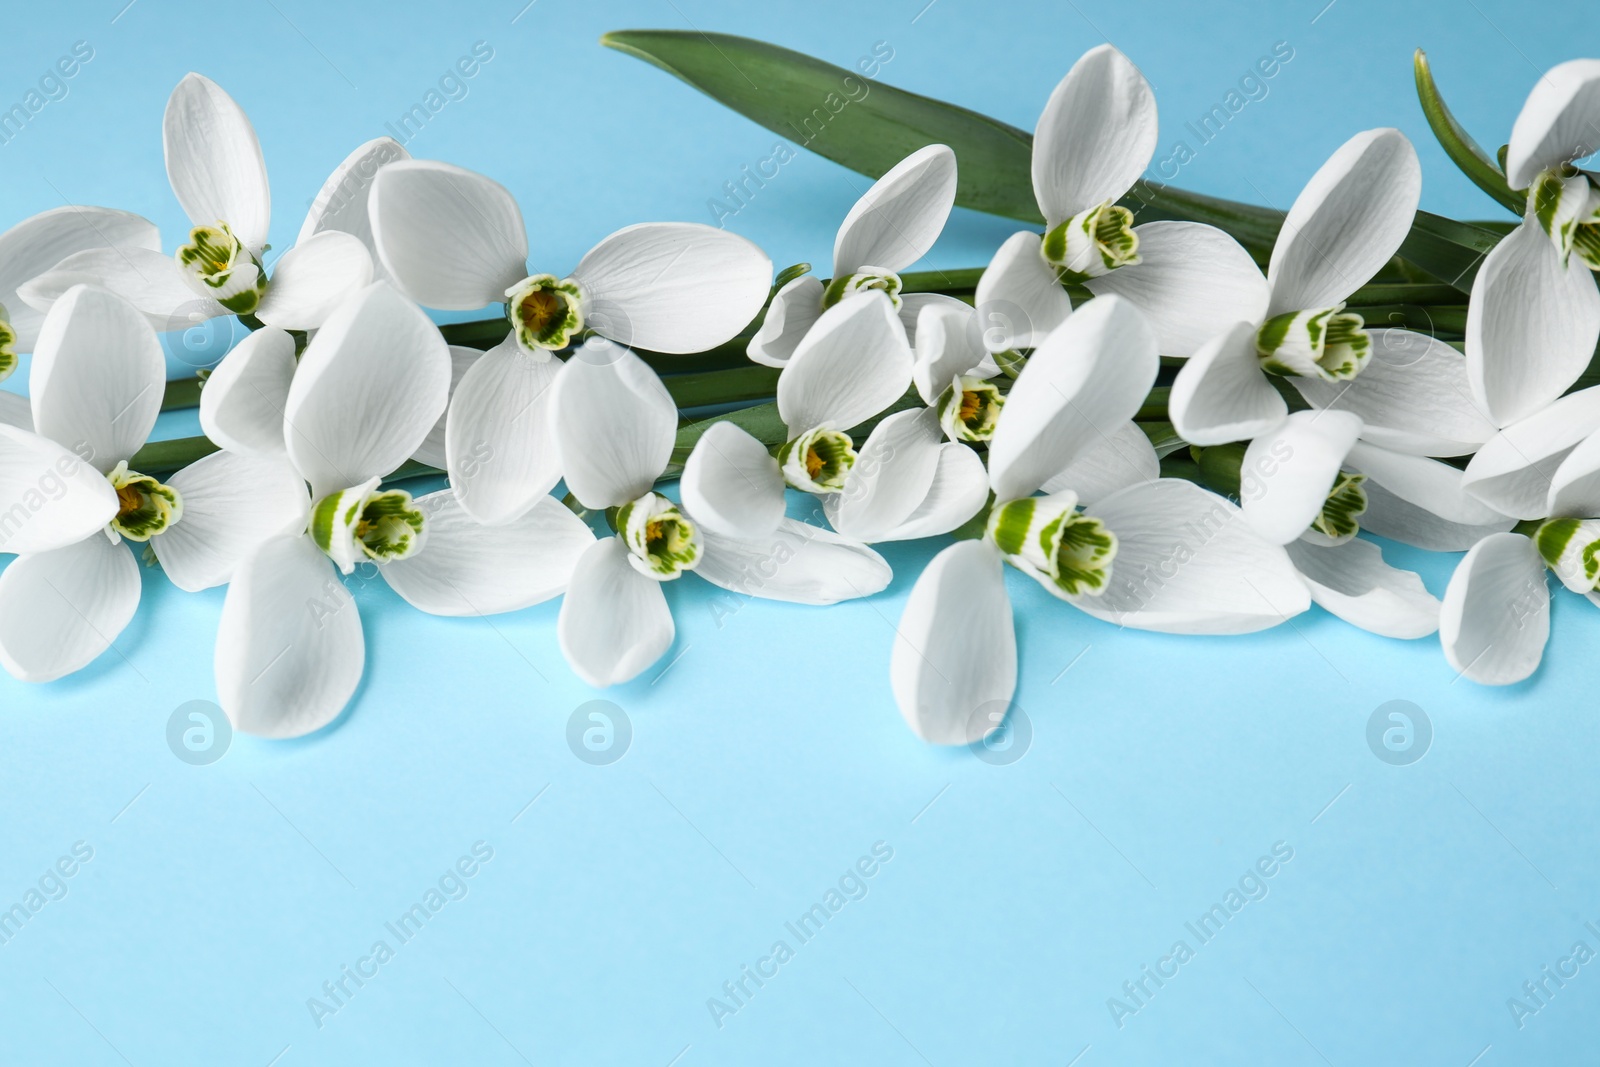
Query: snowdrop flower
[217,172]
[456,240]
[68,498]
[615,426]
[1163,555]
[892,226]
[1343,227]
[1496,614]
[1095,137]
[1558,125]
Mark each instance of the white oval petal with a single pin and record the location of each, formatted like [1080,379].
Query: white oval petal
[795,308]
[947,343]
[731,484]
[614,621]
[1389,515]
[1512,472]
[959,489]
[1020,300]
[1557,124]
[897,220]
[1352,582]
[796,563]
[1222,394]
[341,204]
[232,505]
[49,498]
[854,363]
[1125,457]
[432,451]
[242,404]
[314,277]
[1432,485]
[60,610]
[893,472]
[1095,137]
[148,280]
[1496,614]
[499,446]
[214,161]
[614,425]
[1575,485]
[36,244]
[1287,472]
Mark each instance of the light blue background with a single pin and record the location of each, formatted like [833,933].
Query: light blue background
[767,753]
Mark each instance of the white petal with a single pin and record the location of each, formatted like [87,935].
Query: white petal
[16,411]
[1019,299]
[290,650]
[947,342]
[499,448]
[731,485]
[794,310]
[242,404]
[432,451]
[49,498]
[1188,563]
[912,305]
[1088,378]
[98,377]
[797,563]
[1413,396]
[1193,281]
[60,610]
[214,161]
[897,220]
[1346,223]
[148,280]
[1575,485]
[1496,614]
[1222,394]
[1421,501]
[614,425]
[370,386]
[450,238]
[893,472]
[232,505]
[1096,135]
[673,286]
[854,363]
[1558,122]
[341,203]
[1512,472]
[614,621]
[959,489]
[954,664]
[1388,515]
[1125,457]
[469,569]
[1531,325]
[314,277]
[1353,582]
[1287,472]
[39,242]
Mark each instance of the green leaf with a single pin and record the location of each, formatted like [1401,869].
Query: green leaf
[1458,144]
[1449,250]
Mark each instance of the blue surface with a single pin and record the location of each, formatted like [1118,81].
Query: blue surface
[1019,898]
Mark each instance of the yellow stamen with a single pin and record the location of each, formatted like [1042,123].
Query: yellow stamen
[538,308]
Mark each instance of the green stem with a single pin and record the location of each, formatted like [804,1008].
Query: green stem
[1458,144]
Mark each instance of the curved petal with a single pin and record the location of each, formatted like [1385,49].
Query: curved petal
[954,664]
[314,277]
[1346,223]
[36,244]
[49,498]
[290,650]
[469,569]
[1558,124]
[341,204]
[60,610]
[450,238]
[947,342]
[1575,485]
[1124,457]
[796,563]
[1427,483]
[16,411]
[794,310]
[232,505]
[614,425]
[893,472]
[1532,322]
[1222,394]
[369,387]
[614,621]
[1353,582]
[432,451]
[1086,380]
[1512,472]
[214,161]
[1019,299]
[1095,137]
[1389,515]
[499,447]
[959,489]
[242,404]
[731,485]
[1187,563]
[854,363]
[98,377]
[1287,472]
[149,280]
[1193,281]
[897,220]
[1496,614]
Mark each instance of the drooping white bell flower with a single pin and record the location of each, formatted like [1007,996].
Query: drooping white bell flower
[68,498]
[1558,125]
[1163,555]
[1095,137]
[217,172]
[893,225]
[1344,226]
[614,425]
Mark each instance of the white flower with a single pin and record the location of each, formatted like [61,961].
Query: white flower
[1558,125]
[68,499]
[615,424]
[217,172]
[892,226]
[1094,138]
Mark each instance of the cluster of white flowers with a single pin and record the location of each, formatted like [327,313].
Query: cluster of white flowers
[1012,418]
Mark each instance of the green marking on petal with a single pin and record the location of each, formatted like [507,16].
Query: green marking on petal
[1327,343]
[1009,523]
[361,522]
[969,409]
[1066,552]
[545,311]
[1571,548]
[818,460]
[145,507]
[1339,520]
[1091,244]
[8,348]
[1586,244]
[865,280]
[1560,198]
[217,265]
[662,542]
